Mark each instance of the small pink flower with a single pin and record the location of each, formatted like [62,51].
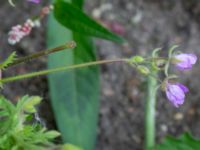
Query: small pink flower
[185,61]
[175,92]
[19,31]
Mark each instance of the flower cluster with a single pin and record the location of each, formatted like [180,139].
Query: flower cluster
[19,31]
[175,92]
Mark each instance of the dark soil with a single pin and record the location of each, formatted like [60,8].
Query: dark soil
[148,24]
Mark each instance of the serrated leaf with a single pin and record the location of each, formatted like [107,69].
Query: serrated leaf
[8,61]
[73,18]
[184,142]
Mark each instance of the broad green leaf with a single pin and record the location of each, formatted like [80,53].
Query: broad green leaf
[74,94]
[73,18]
[78,3]
[184,142]
[70,147]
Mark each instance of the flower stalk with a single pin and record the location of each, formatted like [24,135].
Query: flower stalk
[65,68]
[150,108]
[69,45]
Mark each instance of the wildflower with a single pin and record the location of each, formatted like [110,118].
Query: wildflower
[34,1]
[19,31]
[175,92]
[185,61]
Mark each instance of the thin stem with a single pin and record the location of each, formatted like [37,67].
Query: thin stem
[68,45]
[44,72]
[155,58]
[150,112]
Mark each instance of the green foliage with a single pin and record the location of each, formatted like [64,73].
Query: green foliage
[75,94]
[184,142]
[73,18]
[16,133]
[70,147]
[8,61]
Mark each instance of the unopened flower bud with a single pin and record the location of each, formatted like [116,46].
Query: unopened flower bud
[137,59]
[143,70]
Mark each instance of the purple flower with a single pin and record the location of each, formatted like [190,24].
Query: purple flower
[176,93]
[34,1]
[185,61]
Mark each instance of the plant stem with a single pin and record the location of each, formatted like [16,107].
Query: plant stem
[150,112]
[44,72]
[68,45]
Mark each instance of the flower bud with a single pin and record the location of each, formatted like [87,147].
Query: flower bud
[184,61]
[143,70]
[137,59]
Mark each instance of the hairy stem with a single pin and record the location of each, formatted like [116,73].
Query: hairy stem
[68,45]
[65,68]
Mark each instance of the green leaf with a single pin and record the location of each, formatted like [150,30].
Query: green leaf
[30,103]
[73,18]
[16,133]
[8,61]
[70,147]
[52,134]
[78,3]
[184,142]
[74,94]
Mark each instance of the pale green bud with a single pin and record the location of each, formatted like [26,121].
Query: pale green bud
[136,59]
[143,70]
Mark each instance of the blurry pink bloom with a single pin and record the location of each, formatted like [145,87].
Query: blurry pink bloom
[117,28]
[114,27]
[19,31]
[185,61]
[175,92]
